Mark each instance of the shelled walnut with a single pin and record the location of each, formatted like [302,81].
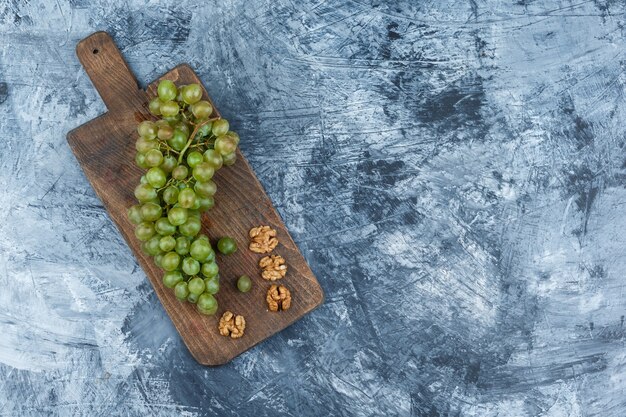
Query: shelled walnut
[231,325]
[262,239]
[274,267]
[278,298]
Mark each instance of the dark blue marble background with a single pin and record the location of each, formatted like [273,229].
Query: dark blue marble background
[453,171]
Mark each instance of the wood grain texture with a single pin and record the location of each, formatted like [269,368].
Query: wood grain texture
[105,149]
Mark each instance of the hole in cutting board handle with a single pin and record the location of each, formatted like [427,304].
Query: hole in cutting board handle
[95,51]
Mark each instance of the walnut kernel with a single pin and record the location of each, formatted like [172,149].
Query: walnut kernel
[262,239]
[273,267]
[278,298]
[231,325]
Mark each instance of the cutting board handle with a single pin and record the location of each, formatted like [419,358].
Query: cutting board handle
[109,72]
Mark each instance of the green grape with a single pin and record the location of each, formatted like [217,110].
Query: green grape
[186,198]
[200,250]
[227,245]
[177,216]
[169,108]
[167,90]
[194,158]
[170,261]
[203,172]
[202,109]
[143,180]
[207,302]
[144,248]
[151,246]
[182,246]
[169,163]
[191,266]
[196,204]
[170,195]
[172,278]
[202,236]
[172,120]
[157,259]
[154,106]
[191,227]
[167,243]
[213,158]
[178,141]
[233,135]
[230,159]
[194,213]
[205,189]
[196,285]
[183,127]
[180,172]
[212,285]
[209,269]
[144,231]
[156,177]
[205,129]
[210,312]
[192,298]
[244,283]
[147,129]
[179,96]
[181,291]
[134,214]
[165,132]
[164,227]
[206,203]
[225,145]
[191,93]
[161,122]
[220,127]
[209,258]
[140,160]
[145,193]
[144,145]
[150,212]
[154,157]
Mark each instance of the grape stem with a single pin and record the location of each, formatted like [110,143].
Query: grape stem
[192,136]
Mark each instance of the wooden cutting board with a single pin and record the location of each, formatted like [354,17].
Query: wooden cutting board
[105,148]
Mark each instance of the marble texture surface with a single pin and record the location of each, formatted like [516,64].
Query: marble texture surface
[453,171]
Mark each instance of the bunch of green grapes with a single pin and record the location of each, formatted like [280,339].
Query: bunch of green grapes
[181,151]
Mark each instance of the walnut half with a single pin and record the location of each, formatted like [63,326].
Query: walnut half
[278,298]
[273,267]
[262,239]
[231,325]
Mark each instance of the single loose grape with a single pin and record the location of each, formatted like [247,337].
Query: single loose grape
[169,163]
[154,157]
[227,245]
[191,227]
[202,109]
[181,291]
[225,145]
[167,243]
[191,93]
[220,127]
[177,216]
[203,172]
[167,90]
[170,261]
[191,266]
[230,159]
[182,245]
[196,286]
[152,246]
[134,214]
[186,198]
[206,203]
[200,249]
[170,195]
[169,108]
[194,158]
[244,283]
[145,193]
[180,172]
[210,269]
[156,177]
[147,129]
[154,106]
[205,189]
[144,231]
[172,278]
[165,132]
[150,212]
[207,302]
[213,158]
[164,227]
[212,285]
